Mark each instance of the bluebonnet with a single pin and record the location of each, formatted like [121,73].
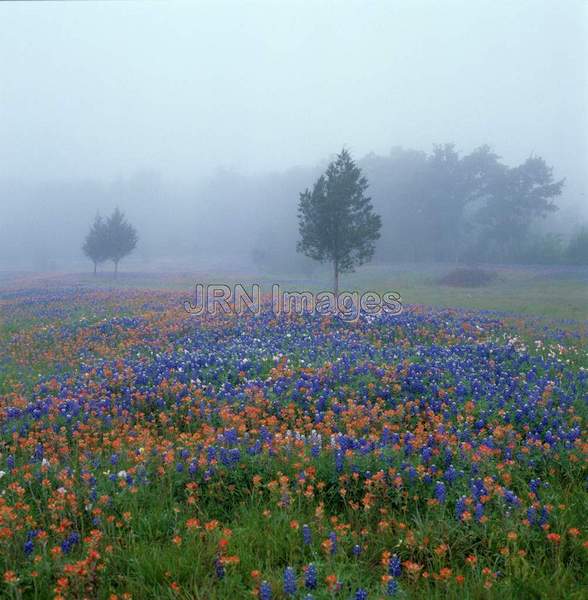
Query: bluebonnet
[394,566]
[289,581]
[310,577]
[219,568]
[306,534]
[392,587]
[70,541]
[265,591]
[339,460]
[460,507]
[511,497]
[440,492]
[451,474]
[333,539]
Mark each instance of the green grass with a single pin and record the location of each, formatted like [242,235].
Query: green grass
[542,292]
[519,291]
[145,562]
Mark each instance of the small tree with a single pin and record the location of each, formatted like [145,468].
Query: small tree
[336,219]
[121,238]
[96,244]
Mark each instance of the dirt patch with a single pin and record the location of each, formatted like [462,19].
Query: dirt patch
[468,277]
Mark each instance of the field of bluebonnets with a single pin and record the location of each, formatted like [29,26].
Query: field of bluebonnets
[148,454]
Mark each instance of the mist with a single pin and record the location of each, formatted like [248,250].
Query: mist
[203,122]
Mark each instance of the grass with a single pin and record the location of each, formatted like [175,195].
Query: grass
[146,547]
[518,291]
[548,292]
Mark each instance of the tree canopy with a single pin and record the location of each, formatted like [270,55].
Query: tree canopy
[444,206]
[337,223]
[110,239]
[95,245]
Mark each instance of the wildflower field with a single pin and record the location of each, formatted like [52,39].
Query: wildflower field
[147,454]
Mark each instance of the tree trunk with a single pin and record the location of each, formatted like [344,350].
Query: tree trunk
[336,279]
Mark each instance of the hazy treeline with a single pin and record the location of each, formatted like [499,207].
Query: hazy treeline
[435,206]
[446,207]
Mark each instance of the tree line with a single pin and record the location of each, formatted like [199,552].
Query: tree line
[444,208]
[428,207]
[450,208]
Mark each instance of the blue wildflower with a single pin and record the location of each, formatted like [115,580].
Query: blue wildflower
[265,591]
[460,507]
[310,577]
[219,568]
[306,535]
[440,492]
[289,581]
[333,540]
[391,588]
[394,566]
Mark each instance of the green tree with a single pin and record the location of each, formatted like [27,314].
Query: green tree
[514,198]
[95,245]
[450,184]
[336,219]
[121,238]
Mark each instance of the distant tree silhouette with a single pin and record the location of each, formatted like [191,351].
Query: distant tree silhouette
[96,243]
[336,219]
[443,206]
[514,198]
[577,251]
[121,238]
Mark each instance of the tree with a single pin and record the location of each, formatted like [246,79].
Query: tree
[336,219]
[514,198]
[577,250]
[427,200]
[447,189]
[395,186]
[96,244]
[121,238]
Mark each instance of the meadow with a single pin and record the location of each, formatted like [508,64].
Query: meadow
[440,453]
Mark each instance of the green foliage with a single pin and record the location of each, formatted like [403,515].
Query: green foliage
[577,251]
[336,219]
[447,207]
[112,239]
[96,243]
[121,237]
[450,186]
[514,198]
[544,249]
[150,552]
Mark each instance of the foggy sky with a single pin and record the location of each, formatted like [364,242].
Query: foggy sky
[104,90]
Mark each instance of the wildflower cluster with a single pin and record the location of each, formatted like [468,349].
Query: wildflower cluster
[282,456]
